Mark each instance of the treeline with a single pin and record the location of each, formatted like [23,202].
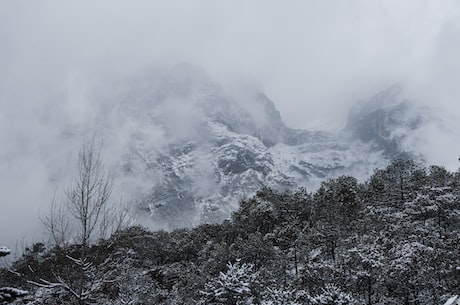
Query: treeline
[394,239]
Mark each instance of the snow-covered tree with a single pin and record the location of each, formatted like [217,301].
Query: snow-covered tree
[233,287]
[281,296]
[333,295]
[366,263]
[396,183]
[9,294]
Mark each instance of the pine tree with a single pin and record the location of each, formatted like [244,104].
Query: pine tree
[233,287]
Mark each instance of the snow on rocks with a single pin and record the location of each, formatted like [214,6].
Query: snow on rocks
[4,251]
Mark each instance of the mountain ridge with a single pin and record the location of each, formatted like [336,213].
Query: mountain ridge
[218,149]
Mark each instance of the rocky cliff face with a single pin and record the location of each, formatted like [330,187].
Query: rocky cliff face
[385,121]
[198,150]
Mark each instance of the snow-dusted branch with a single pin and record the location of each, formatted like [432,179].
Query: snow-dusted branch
[9,293]
[60,283]
[4,251]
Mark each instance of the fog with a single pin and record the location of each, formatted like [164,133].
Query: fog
[314,59]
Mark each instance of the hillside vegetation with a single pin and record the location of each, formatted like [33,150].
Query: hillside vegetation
[394,239]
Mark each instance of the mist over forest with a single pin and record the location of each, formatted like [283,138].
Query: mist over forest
[209,115]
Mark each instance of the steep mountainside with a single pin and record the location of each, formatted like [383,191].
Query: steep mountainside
[385,121]
[197,149]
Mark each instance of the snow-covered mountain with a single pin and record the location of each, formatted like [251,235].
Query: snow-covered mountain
[194,149]
[386,121]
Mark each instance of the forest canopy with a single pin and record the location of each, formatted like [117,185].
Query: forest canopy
[393,239]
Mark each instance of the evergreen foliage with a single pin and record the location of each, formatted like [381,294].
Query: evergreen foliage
[392,240]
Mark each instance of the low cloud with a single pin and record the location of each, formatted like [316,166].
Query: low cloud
[62,64]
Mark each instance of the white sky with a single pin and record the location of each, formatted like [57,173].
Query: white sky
[308,56]
[312,58]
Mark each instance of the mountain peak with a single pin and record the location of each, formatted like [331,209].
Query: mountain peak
[384,120]
[197,149]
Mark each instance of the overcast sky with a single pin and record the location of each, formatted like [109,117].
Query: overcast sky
[312,58]
[306,55]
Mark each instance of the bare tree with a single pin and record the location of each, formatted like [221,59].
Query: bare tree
[57,224]
[87,211]
[88,207]
[88,197]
